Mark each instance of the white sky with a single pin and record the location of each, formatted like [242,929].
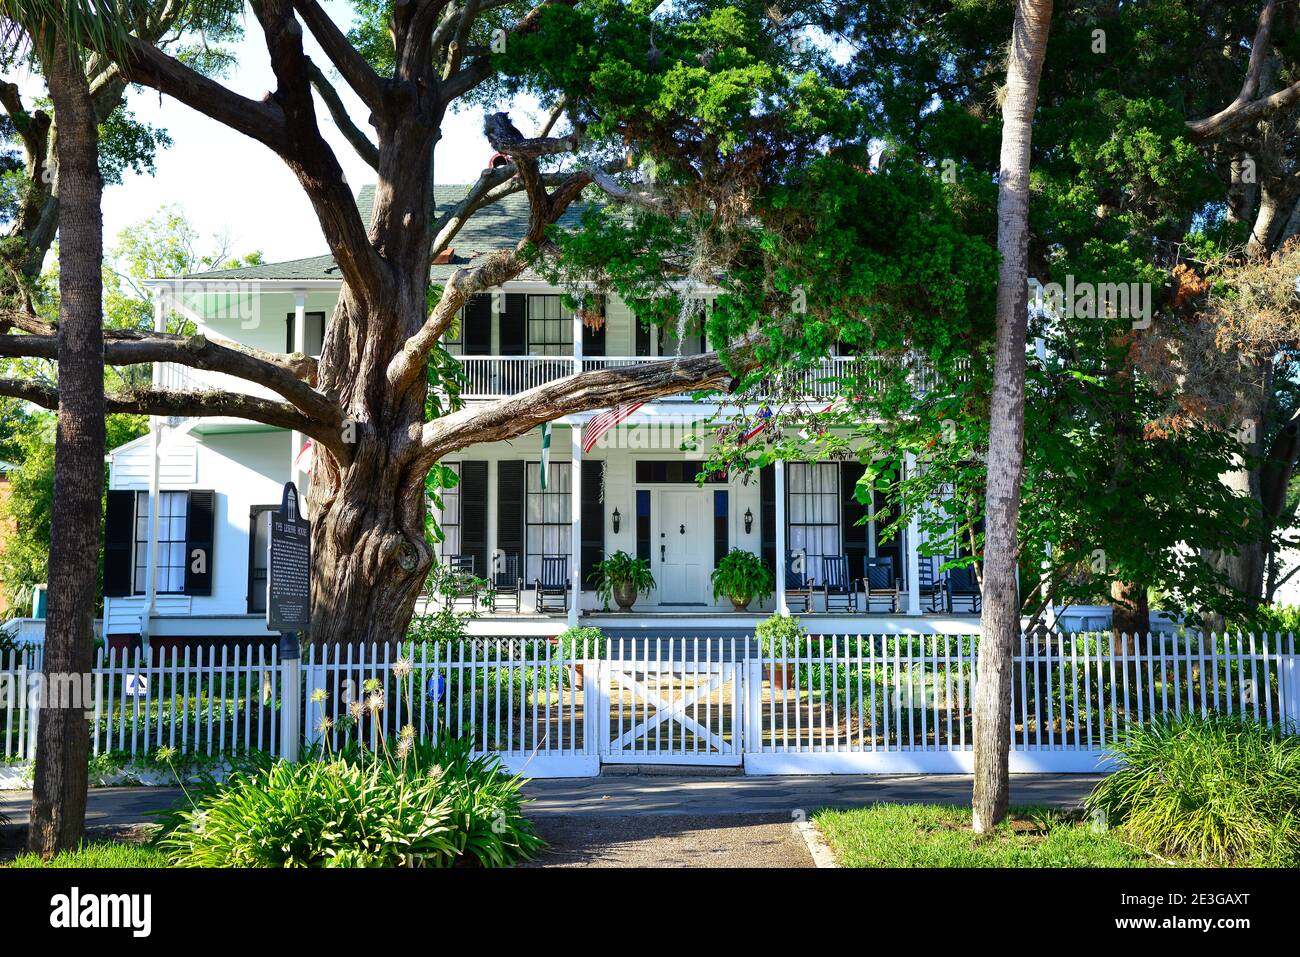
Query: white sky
[228,184]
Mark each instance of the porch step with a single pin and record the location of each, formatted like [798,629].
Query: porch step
[672,770]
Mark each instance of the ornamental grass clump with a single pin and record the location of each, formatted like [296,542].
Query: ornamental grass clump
[1221,789]
[409,804]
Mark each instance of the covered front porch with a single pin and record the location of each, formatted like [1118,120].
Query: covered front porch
[636,490]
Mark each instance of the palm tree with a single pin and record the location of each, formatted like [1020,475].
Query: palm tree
[1000,624]
[58,34]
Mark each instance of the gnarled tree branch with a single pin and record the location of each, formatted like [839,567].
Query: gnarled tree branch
[165,402]
[196,352]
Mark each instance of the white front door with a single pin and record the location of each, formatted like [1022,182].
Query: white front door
[683,547]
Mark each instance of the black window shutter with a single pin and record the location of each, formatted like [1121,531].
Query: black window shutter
[593,518]
[119,541]
[767,519]
[473,515]
[721,524]
[477,331]
[510,509]
[855,535]
[288,333]
[200,516]
[593,340]
[513,325]
[642,337]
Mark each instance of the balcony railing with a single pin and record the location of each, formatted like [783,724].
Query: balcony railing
[185,379]
[491,377]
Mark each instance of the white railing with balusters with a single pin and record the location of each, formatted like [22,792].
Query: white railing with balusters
[489,377]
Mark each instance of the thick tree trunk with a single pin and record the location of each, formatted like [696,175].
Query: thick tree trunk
[1131,616]
[1000,624]
[370,557]
[62,750]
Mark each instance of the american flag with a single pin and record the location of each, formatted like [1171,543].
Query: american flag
[763,414]
[600,424]
[306,454]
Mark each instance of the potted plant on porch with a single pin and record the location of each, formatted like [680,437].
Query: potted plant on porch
[622,577]
[742,577]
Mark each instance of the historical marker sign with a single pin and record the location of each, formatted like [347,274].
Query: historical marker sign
[288,587]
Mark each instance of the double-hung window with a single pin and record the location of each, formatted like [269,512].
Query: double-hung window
[813,498]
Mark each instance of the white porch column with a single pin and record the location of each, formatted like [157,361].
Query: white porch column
[577,343]
[782,607]
[155,427]
[575,519]
[913,552]
[299,345]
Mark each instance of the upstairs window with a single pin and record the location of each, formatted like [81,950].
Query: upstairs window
[550,326]
[314,338]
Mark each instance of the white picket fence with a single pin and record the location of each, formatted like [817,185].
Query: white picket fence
[901,704]
[824,704]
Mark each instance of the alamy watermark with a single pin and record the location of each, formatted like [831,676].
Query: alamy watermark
[1094,300]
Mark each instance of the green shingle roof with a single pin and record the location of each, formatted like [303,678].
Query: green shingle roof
[494,227]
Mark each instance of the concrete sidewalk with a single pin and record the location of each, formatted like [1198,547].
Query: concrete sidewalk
[635,795]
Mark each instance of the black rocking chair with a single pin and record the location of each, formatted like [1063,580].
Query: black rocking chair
[506,581]
[462,584]
[839,588]
[553,583]
[798,586]
[962,586]
[931,589]
[881,585]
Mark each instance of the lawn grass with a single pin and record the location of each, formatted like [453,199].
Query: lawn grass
[97,854]
[935,835]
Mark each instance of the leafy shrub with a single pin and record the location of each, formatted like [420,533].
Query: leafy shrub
[1221,789]
[1271,620]
[742,577]
[577,642]
[412,804]
[771,631]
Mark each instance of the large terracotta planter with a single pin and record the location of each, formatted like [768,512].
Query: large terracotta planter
[781,676]
[625,595]
[742,603]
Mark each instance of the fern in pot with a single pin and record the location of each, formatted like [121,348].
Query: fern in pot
[622,577]
[742,577]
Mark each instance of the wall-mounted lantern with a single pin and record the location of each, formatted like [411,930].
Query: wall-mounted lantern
[749,521]
[617,518]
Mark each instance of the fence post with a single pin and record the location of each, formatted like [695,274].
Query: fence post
[290,697]
[1289,686]
[753,697]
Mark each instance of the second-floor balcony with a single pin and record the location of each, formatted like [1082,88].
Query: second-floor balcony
[492,377]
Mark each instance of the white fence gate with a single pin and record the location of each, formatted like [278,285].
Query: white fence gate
[670,701]
[822,705]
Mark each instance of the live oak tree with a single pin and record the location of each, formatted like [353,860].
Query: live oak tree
[364,402]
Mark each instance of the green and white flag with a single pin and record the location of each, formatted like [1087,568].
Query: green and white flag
[546,451]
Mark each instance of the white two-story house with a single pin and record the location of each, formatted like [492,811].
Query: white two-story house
[212,481]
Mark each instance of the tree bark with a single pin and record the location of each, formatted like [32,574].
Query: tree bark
[1000,624]
[62,750]
[1131,615]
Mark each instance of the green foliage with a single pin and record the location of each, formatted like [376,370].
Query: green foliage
[578,642]
[24,558]
[621,569]
[1218,790]
[410,805]
[1270,620]
[96,855]
[742,576]
[779,634]
[935,835]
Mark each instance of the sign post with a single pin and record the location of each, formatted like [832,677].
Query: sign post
[288,609]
